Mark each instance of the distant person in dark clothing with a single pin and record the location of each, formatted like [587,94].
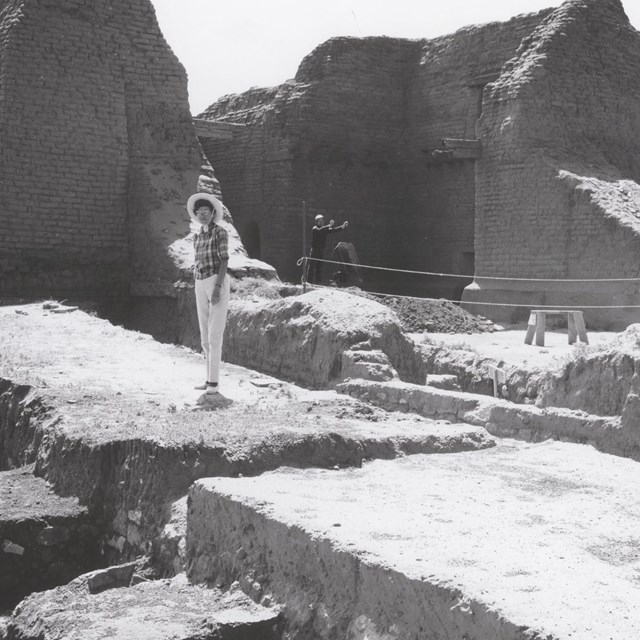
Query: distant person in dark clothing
[318,242]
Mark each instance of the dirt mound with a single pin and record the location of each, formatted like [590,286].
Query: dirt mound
[435,316]
[303,338]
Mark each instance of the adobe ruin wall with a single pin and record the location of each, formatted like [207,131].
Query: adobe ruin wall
[328,138]
[553,194]
[557,193]
[98,153]
[352,136]
[445,101]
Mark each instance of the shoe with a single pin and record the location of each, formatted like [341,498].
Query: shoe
[201,387]
[211,390]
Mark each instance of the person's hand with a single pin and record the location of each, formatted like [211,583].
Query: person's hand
[346,224]
[331,223]
[215,296]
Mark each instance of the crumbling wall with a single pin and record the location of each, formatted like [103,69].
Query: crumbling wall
[98,149]
[352,135]
[551,96]
[331,138]
[556,192]
[256,169]
[445,101]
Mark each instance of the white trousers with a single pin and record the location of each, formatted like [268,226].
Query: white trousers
[212,319]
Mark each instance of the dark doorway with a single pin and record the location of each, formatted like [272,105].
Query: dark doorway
[251,240]
[466,263]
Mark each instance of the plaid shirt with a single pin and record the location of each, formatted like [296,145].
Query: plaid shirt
[211,246]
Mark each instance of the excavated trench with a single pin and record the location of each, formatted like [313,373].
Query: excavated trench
[105,499]
[125,497]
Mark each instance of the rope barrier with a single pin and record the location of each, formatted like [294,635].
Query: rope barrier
[469,277]
[561,307]
[459,303]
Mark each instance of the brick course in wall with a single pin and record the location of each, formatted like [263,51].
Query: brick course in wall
[98,148]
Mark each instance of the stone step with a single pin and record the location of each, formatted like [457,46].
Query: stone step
[499,417]
[518,541]
[103,605]
[45,540]
[443,381]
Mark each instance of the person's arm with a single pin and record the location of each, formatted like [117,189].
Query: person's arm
[223,253]
[344,225]
[217,287]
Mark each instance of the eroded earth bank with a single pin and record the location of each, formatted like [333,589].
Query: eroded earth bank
[353,480]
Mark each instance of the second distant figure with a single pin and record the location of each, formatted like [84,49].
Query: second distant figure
[318,242]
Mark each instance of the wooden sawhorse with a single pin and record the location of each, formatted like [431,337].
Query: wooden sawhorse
[538,320]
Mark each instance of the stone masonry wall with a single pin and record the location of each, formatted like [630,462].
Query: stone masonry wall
[557,193]
[98,148]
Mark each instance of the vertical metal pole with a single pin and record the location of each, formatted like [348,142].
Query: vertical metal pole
[304,246]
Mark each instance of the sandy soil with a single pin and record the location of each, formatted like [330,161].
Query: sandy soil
[84,354]
[434,316]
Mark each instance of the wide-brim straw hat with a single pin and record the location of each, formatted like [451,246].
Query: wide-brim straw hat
[217,207]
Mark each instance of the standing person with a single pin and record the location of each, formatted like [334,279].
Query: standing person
[318,241]
[211,252]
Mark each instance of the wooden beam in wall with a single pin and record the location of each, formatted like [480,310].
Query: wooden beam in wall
[483,79]
[216,130]
[460,143]
[453,149]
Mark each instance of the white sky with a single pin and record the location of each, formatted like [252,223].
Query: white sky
[228,46]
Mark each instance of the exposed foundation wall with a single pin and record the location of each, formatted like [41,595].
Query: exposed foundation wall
[557,194]
[96,132]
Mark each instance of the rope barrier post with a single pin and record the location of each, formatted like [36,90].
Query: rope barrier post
[304,278]
[304,246]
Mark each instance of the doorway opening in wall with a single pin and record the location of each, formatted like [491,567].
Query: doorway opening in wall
[251,240]
[466,263]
